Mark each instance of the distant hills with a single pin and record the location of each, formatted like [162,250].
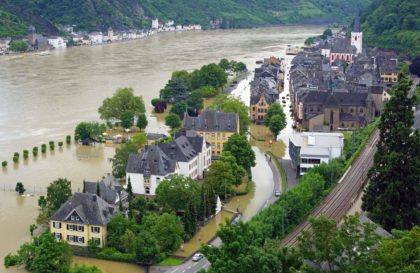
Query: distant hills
[393,24]
[46,15]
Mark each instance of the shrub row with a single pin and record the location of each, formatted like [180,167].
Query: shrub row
[112,254]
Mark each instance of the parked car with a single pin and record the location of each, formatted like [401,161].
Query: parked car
[197,257]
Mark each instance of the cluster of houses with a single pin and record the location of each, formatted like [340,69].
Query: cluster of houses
[265,88]
[338,85]
[39,42]
[190,153]
[84,217]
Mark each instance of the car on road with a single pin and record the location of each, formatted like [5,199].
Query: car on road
[197,257]
[277,193]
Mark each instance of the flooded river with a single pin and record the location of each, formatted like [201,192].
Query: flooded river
[43,98]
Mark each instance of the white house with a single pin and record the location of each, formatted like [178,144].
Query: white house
[187,155]
[4,45]
[57,42]
[96,38]
[309,149]
[155,23]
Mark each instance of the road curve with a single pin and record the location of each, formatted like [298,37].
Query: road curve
[343,196]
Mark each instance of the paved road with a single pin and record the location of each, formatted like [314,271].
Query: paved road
[191,267]
[342,197]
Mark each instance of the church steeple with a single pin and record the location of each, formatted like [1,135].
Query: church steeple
[357,36]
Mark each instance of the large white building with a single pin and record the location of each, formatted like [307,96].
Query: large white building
[155,23]
[96,38]
[57,42]
[187,155]
[357,37]
[309,149]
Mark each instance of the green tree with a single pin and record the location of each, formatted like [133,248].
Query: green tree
[273,110]
[179,108]
[175,90]
[206,91]
[233,105]
[58,192]
[239,147]
[127,119]
[169,232]
[212,75]
[117,227]
[127,241]
[172,120]
[138,208]
[92,130]
[221,178]
[18,46]
[225,64]
[146,248]
[120,159]
[276,124]
[142,121]
[93,246]
[43,255]
[32,229]
[175,193]
[190,219]
[237,171]
[327,32]
[393,191]
[122,101]
[20,189]
[42,202]
[84,269]
[195,101]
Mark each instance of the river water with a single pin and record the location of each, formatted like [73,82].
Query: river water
[43,98]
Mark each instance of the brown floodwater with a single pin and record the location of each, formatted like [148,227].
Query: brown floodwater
[43,98]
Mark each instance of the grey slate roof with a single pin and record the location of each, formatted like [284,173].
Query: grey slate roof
[195,139]
[336,98]
[180,149]
[151,161]
[212,121]
[92,209]
[109,189]
[342,45]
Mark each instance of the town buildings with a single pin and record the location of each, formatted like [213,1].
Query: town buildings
[216,128]
[338,84]
[309,149]
[37,41]
[57,42]
[82,218]
[189,155]
[265,88]
[4,45]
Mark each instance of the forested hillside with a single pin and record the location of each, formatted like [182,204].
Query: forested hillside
[393,24]
[122,14]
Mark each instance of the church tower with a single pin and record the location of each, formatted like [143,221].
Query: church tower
[357,36]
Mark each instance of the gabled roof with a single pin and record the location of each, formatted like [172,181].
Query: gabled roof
[342,45]
[180,149]
[109,189]
[212,121]
[92,209]
[151,161]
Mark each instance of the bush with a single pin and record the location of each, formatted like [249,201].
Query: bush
[16,154]
[112,254]
[25,154]
[15,159]
[52,145]
[68,139]
[35,151]
[10,260]
[44,148]
[4,164]
[60,144]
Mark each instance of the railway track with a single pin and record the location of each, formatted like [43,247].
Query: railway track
[344,194]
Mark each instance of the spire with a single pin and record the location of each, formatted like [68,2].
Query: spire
[356,27]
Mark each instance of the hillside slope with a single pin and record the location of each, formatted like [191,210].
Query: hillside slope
[393,24]
[122,14]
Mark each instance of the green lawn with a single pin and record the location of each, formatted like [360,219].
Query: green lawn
[170,261]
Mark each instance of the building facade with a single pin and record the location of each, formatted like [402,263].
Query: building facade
[310,149]
[82,218]
[216,128]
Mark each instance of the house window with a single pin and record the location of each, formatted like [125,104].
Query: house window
[314,161]
[77,218]
[73,217]
[157,180]
[98,240]
[253,108]
[56,224]
[70,238]
[147,190]
[81,240]
[212,135]
[80,228]
[303,170]
[304,160]
[57,236]
[70,227]
[218,145]
[351,110]
[361,110]
[95,229]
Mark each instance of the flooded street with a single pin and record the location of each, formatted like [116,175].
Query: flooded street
[43,98]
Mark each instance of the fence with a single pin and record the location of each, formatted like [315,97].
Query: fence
[30,189]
